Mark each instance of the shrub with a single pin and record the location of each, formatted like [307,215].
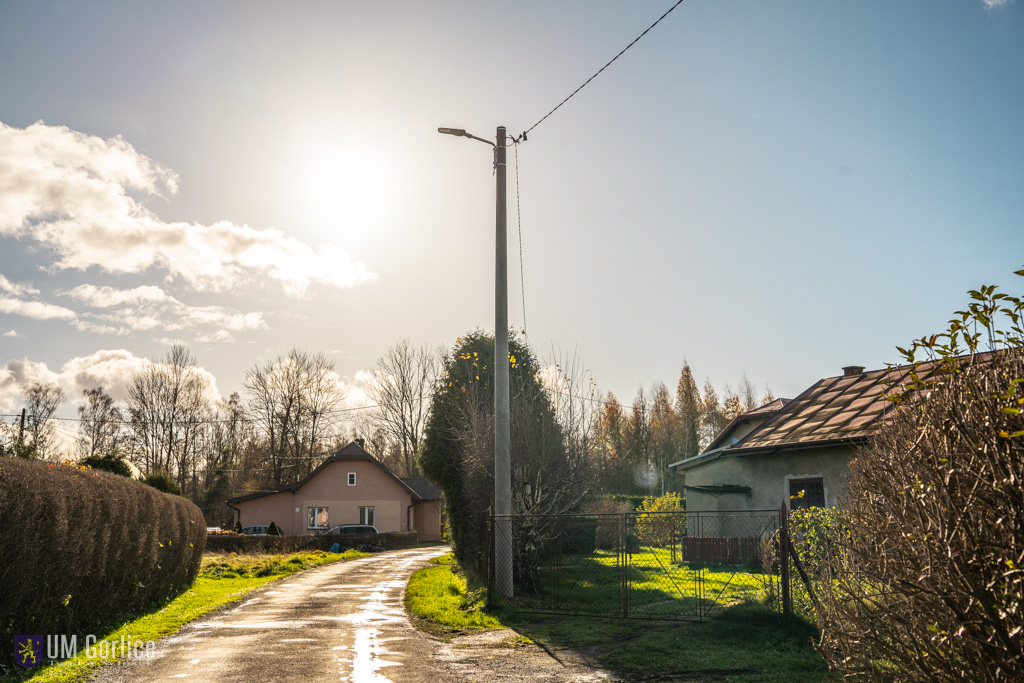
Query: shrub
[393,540]
[661,529]
[238,528]
[608,511]
[162,481]
[815,533]
[111,462]
[80,546]
[273,529]
[929,585]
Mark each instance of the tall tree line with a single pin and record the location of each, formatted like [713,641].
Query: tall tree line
[636,444]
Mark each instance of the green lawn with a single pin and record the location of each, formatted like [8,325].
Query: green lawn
[744,642]
[223,578]
[657,587]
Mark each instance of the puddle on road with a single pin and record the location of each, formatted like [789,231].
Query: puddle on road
[369,652]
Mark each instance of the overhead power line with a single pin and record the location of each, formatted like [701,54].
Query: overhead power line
[522,136]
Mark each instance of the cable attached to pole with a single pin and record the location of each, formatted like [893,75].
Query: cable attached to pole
[522,136]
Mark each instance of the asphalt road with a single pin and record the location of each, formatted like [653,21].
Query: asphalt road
[341,622]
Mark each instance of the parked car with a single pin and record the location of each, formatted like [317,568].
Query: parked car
[256,530]
[350,530]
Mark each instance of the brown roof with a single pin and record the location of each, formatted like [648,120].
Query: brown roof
[761,412]
[423,488]
[839,409]
[353,451]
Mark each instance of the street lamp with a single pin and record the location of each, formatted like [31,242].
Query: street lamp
[502,459]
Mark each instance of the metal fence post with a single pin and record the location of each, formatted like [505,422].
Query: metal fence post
[624,538]
[490,558]
[787,596]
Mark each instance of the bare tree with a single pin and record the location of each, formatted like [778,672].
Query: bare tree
[573,393]
[713,418]
[637,440]
[748,394]
[41,401]
[665,434]
[101,424]
[168,410]
[293,400]
[402,385]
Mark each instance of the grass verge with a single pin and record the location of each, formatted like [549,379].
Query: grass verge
[745,644]
[223,578]
[441,604]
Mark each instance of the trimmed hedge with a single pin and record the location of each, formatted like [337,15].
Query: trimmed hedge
[79,547]
[394,540]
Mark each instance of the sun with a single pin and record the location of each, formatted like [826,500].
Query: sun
[346,188]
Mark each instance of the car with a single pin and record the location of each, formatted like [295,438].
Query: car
[256,530]
[350,530]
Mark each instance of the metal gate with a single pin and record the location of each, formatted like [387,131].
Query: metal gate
[659,565]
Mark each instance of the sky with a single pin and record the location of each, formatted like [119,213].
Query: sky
[775,189]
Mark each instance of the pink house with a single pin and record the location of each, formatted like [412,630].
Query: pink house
[350,487]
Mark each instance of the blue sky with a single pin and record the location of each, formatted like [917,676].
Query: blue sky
[778,188]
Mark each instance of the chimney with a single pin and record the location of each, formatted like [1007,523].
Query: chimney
[851,370]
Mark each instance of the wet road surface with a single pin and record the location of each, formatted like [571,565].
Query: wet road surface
[341,622]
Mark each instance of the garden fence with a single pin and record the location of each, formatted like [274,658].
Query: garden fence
[684,565]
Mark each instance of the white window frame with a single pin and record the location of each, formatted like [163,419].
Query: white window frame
[366,515]
[351,478]
[310,515]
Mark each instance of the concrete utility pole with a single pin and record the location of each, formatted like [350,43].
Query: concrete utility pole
[502,439]
[502,433]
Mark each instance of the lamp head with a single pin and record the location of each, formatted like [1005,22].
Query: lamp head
[460,132]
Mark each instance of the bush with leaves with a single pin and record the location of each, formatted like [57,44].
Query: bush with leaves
[929,583]
[111,462]
[661,520]
[162,481]
[458,455]
[814,533]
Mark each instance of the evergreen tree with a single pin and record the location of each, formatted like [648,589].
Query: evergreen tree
[458,448]
[688,407]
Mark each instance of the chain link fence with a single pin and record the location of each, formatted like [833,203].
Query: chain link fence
[659,565]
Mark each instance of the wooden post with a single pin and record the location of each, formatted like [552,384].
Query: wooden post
[787,596]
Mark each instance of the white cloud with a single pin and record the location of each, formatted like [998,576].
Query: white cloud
[222,336]
[108,297]
[990,4]
[16,288]
[148,308]
[16,375]
[10,333]
[70,191]
[110,369]
[37,310]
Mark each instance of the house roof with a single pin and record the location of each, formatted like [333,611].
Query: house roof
[423,488]
[836,410]
[353,451]
[759,413]
[839,409]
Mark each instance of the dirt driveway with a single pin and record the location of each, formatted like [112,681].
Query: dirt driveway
[340,622]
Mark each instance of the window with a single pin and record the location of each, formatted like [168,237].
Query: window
[351,478]
[317,518]
[806,493]
[366,516]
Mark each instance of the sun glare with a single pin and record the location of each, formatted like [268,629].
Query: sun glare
[349,189]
